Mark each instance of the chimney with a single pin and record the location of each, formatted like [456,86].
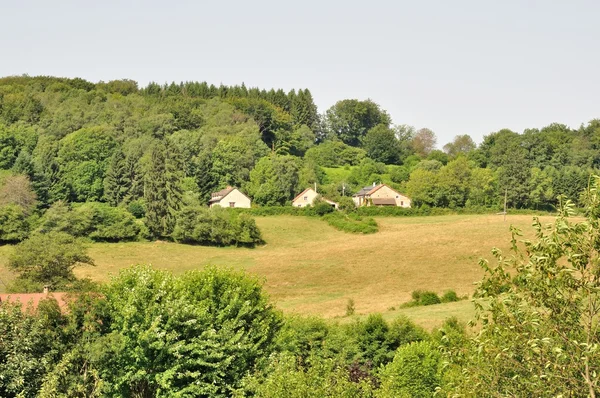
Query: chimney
[46,289]
[374,184]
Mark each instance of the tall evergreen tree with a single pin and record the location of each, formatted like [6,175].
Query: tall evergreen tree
[304,110]
[162,190]
[155,192]
[115,181]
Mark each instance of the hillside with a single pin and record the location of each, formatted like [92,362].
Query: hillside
[310,268]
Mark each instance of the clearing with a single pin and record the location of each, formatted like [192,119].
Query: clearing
[310,268]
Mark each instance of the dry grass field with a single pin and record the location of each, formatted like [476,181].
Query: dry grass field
[311,268]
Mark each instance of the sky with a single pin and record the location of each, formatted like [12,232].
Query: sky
[457,67]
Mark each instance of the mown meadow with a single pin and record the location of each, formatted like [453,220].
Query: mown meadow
[309,267]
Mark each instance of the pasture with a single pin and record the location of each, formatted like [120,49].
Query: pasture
[310,268]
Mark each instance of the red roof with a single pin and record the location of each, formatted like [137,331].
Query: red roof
[35,298]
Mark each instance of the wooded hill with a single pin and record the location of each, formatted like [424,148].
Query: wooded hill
[157,149]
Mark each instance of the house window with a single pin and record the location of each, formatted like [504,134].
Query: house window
[231,204]
[401,203]
[397,196]
[306,198]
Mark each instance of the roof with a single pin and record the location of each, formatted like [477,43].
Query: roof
[384,201]
[302,193]
[35,298]
[217,196]
[367,191]
[364,191]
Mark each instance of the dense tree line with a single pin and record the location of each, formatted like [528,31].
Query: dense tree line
[157,150]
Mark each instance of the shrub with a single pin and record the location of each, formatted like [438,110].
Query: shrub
[352,224]
[424,297]
[137,208]
[48,258]
[215,226]
[321,208]
[449,297]
[98,221]
[323,377]
[14,225]
[414,372]
[199,333]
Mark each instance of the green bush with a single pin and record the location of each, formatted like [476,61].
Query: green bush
[321,208]
[378,340]
[449,297]
[14,224]
[322,378]
[98,221]
[199,333]
[424,297]
[414,372]
[216,226]
[351,223]
[137,208]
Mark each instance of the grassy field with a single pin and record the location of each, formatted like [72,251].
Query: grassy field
[311,268]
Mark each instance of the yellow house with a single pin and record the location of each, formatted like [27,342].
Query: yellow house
[307,197]
[229,197]
[380,195]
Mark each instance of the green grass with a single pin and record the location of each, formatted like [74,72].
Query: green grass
[311,268]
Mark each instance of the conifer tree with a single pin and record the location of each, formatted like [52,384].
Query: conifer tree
[162,190]
[115,181]
[303,109]
[155,192]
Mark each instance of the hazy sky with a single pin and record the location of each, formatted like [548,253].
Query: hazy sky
[457,67]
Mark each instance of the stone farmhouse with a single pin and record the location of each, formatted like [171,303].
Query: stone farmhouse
[229,197]
[307,197]
[380,195]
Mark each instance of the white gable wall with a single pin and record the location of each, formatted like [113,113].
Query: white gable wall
[387,192]
[236,197]
[306,199]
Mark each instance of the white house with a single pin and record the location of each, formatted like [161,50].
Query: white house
[307,197]
[229,197]
[380,195]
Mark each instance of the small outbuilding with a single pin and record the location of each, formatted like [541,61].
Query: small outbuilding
[308,196]
[230,197]
[380,195]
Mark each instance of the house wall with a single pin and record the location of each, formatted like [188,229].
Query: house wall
[310,197]
[235,196]
[387,192]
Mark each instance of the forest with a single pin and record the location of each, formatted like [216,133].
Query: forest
[113,161]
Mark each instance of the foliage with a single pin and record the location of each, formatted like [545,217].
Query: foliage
[335,154]
[414,372]
[350,120]
[274,180]
[199,333]
[48,258]
[98,221]
[14,224]
[538,327]
[323,378]
[381,145]
[215,226]
[351,223]
[17,190]
[29,346]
